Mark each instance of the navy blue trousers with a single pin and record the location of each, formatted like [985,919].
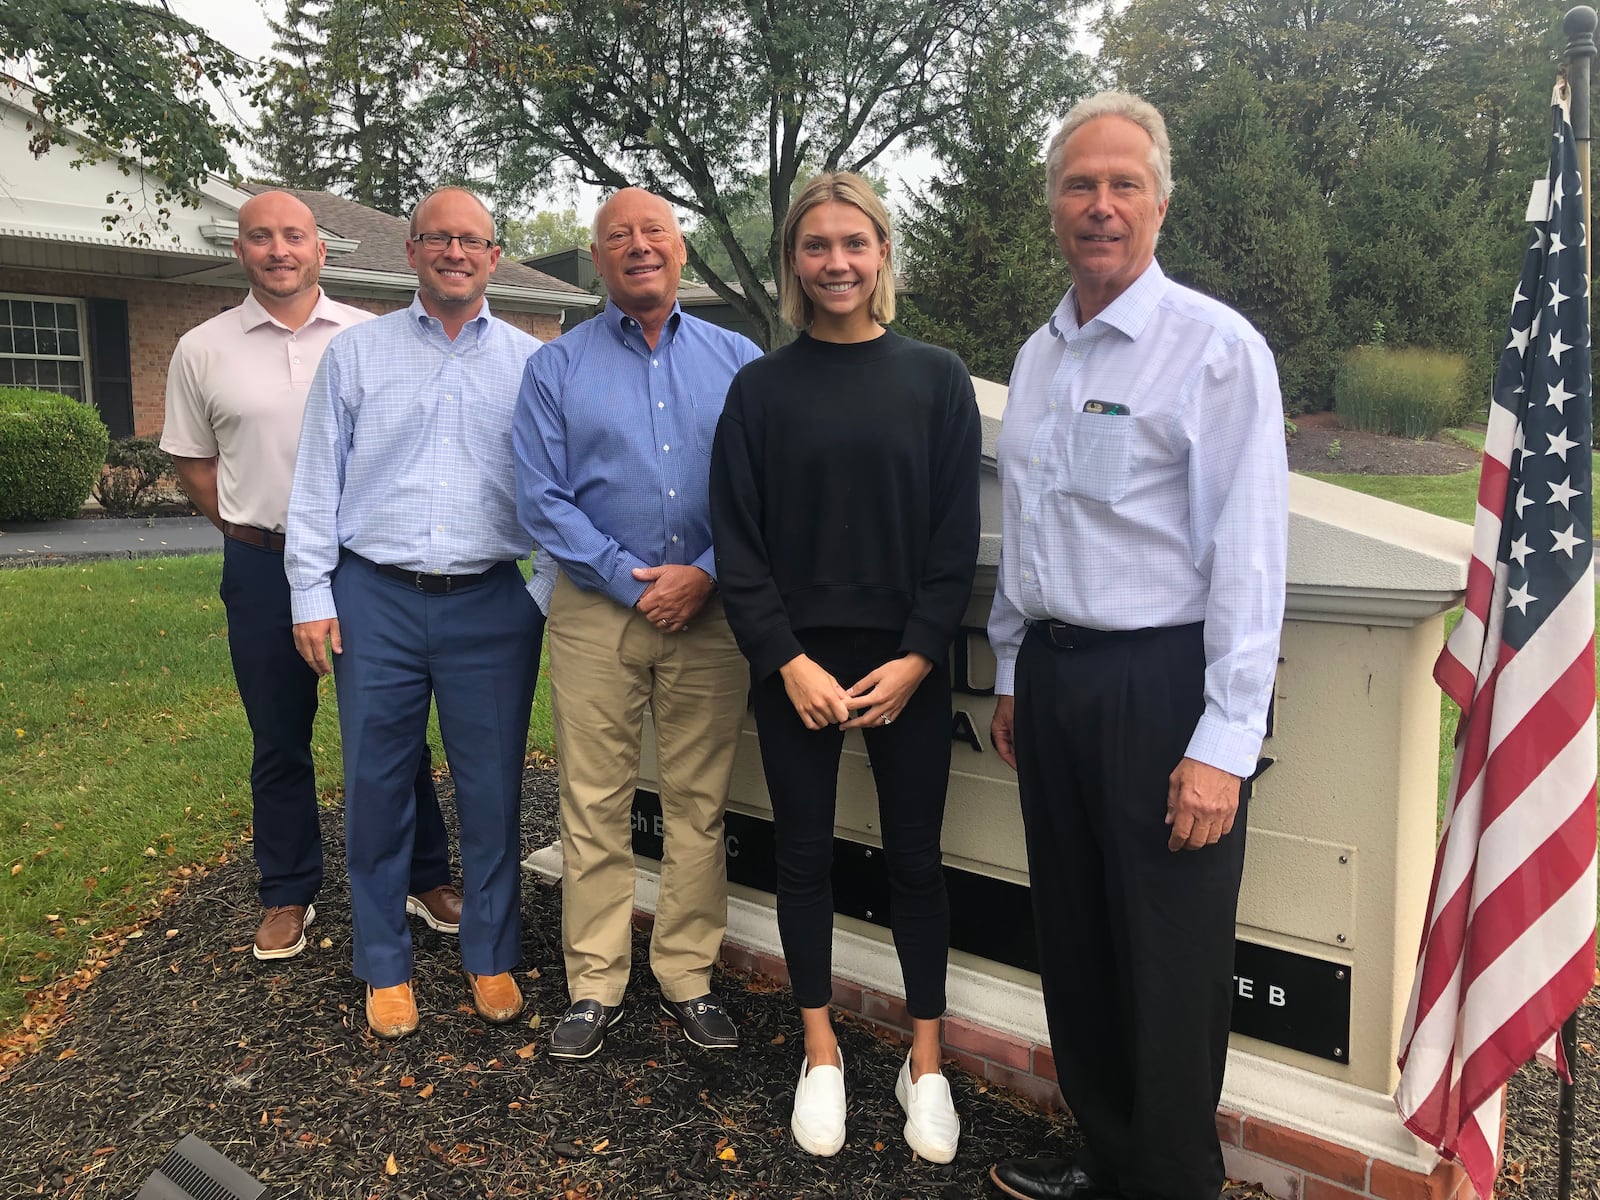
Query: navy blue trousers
[280,701]
[475,651]
[1135,940]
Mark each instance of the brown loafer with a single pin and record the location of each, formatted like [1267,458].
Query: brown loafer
[440,907]
[391,1011]
[496,997]
[282,932]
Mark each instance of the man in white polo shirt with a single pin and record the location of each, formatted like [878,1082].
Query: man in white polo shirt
[236,392]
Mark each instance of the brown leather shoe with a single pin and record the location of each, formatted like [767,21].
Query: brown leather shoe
[282,932]
[391,1011]
[440,907]
[496,997]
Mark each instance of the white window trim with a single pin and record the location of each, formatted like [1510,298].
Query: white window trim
[83,338]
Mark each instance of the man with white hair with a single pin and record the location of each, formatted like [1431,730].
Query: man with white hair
[1135,626]
[613,438]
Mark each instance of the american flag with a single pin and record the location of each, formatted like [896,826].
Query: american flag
[1508,951]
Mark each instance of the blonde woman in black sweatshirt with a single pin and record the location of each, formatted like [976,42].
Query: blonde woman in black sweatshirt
[844,504]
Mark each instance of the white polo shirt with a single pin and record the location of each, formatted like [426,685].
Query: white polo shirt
[236,390]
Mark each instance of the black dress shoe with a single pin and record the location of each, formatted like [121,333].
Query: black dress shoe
[705,1022]
[1043,1179]
[582,1029]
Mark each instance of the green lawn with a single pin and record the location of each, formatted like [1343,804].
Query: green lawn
[1453,496]
[124,752]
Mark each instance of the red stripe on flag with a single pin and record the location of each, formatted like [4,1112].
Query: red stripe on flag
[1526,749]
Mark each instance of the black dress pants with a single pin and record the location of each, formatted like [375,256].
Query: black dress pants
[1135,940]
[911,767]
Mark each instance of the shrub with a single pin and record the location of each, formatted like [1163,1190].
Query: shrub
[51,451]
[133,468]
[1411,393]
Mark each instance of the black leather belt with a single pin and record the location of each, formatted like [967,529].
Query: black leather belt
[264,539]
[425,581]
[1062,636]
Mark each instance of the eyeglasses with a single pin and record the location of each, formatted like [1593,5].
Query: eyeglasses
[470,243]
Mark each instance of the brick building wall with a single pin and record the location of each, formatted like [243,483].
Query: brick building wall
[159,313]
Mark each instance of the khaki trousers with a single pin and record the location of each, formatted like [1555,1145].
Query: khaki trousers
[605,663]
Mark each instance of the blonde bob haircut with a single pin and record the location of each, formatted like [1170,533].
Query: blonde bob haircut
[846,187]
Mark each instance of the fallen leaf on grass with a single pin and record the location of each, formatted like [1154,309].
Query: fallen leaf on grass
[391,1167]
[726,1154]
[425,1091]
[779,1040]
[878,1146]
[172,933]
[105,1150]
[641,1100]
[69,1052]
[16,868]
[527,1051]
[408,1081]
[149,851]
[325,943]
[599,1146]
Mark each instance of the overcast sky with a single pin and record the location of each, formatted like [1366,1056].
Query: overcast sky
[241,25]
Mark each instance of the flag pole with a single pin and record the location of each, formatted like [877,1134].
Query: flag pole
[1579,26]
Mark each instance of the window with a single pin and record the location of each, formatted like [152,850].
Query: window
[43,344]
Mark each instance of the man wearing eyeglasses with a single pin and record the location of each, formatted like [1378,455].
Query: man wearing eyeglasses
[236,391]
[402,548]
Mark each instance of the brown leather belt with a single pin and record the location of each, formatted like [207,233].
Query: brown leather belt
[263,539]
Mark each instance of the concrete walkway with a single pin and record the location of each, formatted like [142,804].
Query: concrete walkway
[24,543]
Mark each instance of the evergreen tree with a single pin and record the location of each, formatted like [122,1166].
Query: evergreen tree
[1246,225]
[1410,251]
[977,253]
[289,143]
[348,105]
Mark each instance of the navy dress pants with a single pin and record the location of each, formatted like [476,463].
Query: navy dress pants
[279,692]
[1135,940]
[475,651]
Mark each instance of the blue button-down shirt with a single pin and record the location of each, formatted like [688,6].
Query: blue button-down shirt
[405,453]
[613,447]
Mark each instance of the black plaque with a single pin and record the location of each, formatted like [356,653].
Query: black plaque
[1287,999]
[1292,1000]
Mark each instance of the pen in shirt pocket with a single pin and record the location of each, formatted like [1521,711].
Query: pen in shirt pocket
[1107,408]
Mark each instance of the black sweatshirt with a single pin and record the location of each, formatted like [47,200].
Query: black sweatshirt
[844,493]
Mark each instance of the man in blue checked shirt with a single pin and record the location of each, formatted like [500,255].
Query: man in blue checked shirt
[1144,519]
[613,444]
[401,554]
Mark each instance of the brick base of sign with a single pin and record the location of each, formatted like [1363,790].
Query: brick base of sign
[1283,1162]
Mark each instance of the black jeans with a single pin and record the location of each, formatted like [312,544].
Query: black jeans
[1135,940]
[911,766]
[279,692]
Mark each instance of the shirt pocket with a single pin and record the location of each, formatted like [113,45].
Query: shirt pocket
[1094,453]
[707,412]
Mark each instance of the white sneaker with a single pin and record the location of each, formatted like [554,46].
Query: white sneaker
[818,1121]
[932,1127]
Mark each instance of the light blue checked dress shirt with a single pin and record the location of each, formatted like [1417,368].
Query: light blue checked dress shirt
[1173,513]
[613,446]
[405,453]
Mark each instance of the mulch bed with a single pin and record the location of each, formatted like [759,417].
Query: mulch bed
[186,1032]
[1321,444]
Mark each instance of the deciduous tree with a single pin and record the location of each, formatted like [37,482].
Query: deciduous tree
[695,99]
[133,77]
